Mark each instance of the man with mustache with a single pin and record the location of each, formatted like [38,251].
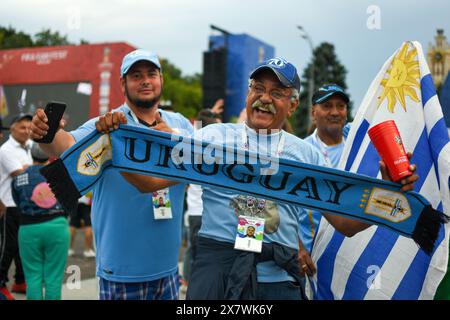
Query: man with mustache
[221,271]
[329,115]
[224,268]
[137,248]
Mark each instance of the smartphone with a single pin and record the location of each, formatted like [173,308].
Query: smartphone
[54,111]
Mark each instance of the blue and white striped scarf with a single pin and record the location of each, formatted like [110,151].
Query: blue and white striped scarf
[184,159]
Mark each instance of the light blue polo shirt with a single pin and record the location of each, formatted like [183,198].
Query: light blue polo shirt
[221,208]
[310,222]
[131,245]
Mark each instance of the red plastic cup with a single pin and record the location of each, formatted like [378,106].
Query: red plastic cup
[386,139]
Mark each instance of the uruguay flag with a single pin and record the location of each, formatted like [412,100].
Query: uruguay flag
[378,263]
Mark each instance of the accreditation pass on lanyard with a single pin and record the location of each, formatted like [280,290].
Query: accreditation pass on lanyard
[161,204]
[250,232]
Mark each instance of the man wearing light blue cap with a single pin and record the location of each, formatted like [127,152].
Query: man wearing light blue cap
[138,55]
[137,247]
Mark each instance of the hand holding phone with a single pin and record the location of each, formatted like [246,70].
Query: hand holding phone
[54,112]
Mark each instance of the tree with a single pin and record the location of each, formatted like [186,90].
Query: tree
[11,39]
[47,38]
[327,69]
[184,92]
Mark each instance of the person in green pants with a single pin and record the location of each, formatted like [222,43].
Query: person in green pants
[43,233]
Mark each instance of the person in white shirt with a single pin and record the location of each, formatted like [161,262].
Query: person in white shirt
[15,157]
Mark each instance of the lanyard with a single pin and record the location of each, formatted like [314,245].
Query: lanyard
[246,142]
[137,120]
[323,148]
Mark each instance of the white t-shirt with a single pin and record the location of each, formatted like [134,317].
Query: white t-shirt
[194,200]
[12,158]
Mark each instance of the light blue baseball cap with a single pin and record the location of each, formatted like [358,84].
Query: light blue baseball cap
[138,55]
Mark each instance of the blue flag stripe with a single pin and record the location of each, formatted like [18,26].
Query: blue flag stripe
[438,139]
[326,265]
[422,155]
[324,284]
[369,162]
[427,88]
[411,285]
[356,287]
[329,254]
[359,137]
[412,282]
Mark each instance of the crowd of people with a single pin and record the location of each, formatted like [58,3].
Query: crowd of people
[137,248]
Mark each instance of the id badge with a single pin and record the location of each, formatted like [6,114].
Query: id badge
[250,232]
[161,204]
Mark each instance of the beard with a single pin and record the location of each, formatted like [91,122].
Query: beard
[140,103]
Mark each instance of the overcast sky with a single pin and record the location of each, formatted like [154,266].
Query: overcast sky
[178,30]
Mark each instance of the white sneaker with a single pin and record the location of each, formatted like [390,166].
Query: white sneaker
[89,253]
[71,252]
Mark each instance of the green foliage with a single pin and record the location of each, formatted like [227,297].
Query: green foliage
[327,69]
[10,38]
[185,92]
[47,38]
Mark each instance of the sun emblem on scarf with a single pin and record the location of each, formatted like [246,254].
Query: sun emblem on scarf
[402,79]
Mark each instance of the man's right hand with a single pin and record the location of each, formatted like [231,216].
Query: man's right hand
[110,121]
[305,262]
[39,126]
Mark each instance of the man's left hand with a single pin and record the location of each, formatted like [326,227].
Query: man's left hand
[305,262]
[408,182]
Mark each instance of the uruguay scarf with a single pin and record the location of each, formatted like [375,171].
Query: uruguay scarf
[184,159]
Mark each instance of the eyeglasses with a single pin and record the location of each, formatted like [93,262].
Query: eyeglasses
[276,94]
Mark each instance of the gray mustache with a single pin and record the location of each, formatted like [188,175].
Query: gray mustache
[264,107]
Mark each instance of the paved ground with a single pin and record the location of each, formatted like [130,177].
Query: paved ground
[87,287]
